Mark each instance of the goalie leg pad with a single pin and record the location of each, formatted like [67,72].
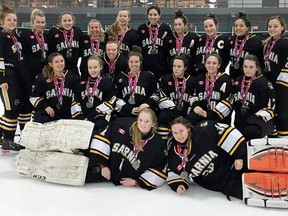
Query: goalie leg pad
[63,135]
[265,189]
[55,167]
[268,155]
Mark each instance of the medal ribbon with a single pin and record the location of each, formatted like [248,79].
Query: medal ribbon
[41,42]
[59,90]
[122,35]
[143,143]
[111,66]
[209,45]
[133,83]
[68,42]
[209,87]
[239,51]
[180,94]
[179,43]
[90,91]
[153,35]
[244,91]
[17,46]
[269,50]
[181,155]
[95,49]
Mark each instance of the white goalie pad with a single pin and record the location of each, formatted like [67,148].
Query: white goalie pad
[62,135]
[55,167]
[268,154]
[265,189]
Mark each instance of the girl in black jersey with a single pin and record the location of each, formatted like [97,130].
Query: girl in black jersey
[34,42]
[129,153]
[96,95]
[114,61]
[64,38]
[214,94]
[183,41]
[242,44]
[276,67]
[90,44]
[120,30]
[15,81]
[53,91]
[153,38]
[254,101]
[137,88]
[211,42]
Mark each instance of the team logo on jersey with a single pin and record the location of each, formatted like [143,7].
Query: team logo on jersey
[200,39]
[8,36]
[48,80]
[143,31]
[86,41]
[32,37]
[231,42]
[122,131]
[169,83]
[16,102]
[120,80]
[236,82]
[201,82]
[170,41]
[56,36]
[82,82]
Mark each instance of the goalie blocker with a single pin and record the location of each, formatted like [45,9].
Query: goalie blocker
[268,188]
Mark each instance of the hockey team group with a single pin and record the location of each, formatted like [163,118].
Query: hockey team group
[143,107]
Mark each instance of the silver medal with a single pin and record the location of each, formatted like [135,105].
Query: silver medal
[154,51]
[131,100]
[236,65]
[184,175]
[58,106]
[136,164]
[68,54]
[89,104]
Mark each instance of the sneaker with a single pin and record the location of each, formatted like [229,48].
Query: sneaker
[10,148]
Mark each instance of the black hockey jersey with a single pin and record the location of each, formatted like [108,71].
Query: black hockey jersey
[88,47]
[110,70]
[44,95]
[218,44]
[69,48]
[126,41]
[145,92]
[169,96]
[218,104]
[114,148]
[188,47]
[96,100]
[215,146]
[277,72]
[252,45]
[35,50]
[155,56]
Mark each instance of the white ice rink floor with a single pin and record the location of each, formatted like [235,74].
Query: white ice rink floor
[21,196]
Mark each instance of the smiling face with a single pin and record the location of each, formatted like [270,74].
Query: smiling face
[210,28]
[274,28]
[179,26]
[39,23]
[145,122]
[10,22]
[212,65]
[94,68]
[180,132]
[153,16]
[134,64]
[58,64]
[67,22]
[123,18]
[240,27]
[94,29]
[112,50]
